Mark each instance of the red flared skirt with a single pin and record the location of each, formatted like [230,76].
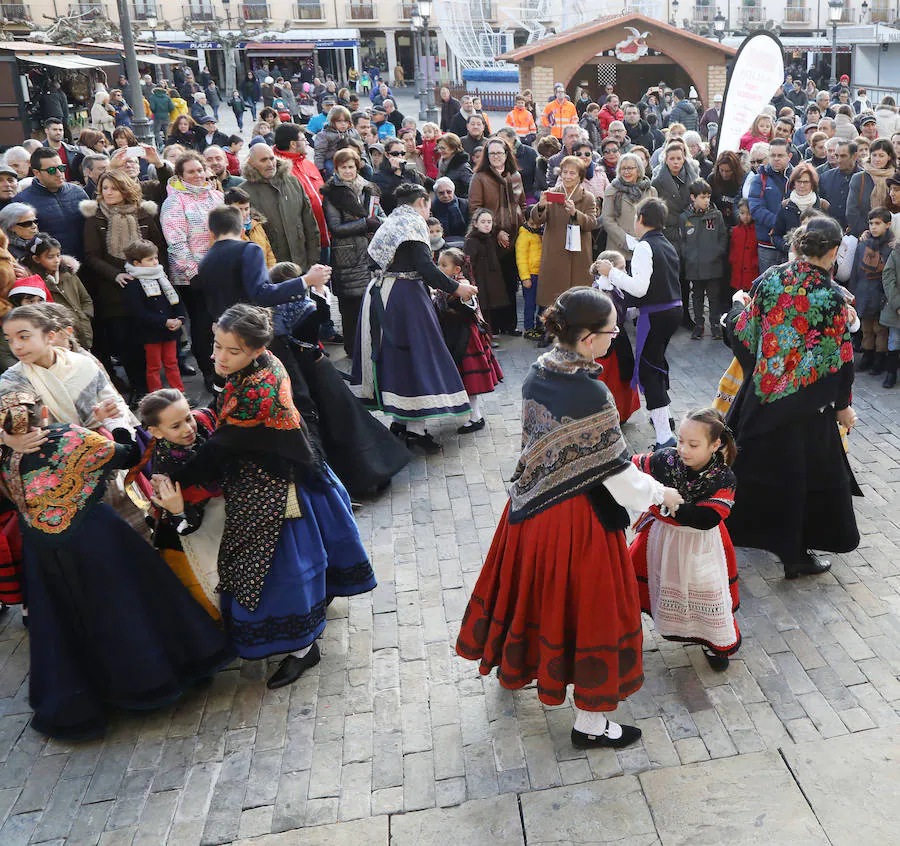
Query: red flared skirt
[480,369]
[627,399]
[557,602]
[10,559]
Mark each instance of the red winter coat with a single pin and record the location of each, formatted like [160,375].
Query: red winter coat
[430,157]
[607,116]
[743,257]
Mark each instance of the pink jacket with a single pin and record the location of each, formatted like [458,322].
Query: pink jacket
[748,140]
[184,224]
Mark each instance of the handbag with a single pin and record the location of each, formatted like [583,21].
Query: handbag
[845,256]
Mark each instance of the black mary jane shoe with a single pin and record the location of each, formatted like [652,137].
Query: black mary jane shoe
[424,442]
[809,565]
[398,429]
[186,369]
[580,740]
[292,667]
[471,426]
[716,660]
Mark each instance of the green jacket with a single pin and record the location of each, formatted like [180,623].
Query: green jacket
[290,224]
[160,103]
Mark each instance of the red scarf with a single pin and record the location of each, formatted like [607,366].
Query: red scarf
[311,180]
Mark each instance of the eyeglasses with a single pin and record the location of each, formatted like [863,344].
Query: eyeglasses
[613,332]
[396,154]
[53,170]
[31,222]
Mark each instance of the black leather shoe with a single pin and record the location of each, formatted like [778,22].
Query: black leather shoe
[471,426]
[809,565]
[424,442]
[185,369]
[398,429]
[716,661]
[292,667]
[580,740]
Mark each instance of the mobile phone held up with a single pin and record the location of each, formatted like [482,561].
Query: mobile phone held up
[555,197]
[136,152]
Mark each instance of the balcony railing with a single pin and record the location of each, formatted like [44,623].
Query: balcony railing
[796,14]
[309,11]
[362,11]
[143,11]
[882,13]
[255,12]
[703,14]
[405,10]
[750,15]
[89,11]
[198,12]
[15,12]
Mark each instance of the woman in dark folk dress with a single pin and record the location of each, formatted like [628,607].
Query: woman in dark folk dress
[794,484]
[557,599]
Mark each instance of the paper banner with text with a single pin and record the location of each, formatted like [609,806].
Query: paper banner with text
[758,71]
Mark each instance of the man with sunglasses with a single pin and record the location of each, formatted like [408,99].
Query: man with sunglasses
[56,201]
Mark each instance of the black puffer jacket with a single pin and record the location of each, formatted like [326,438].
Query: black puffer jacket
[640,135]
[350,228]
[459,169]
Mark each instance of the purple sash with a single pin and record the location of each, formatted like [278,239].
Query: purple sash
[643,330]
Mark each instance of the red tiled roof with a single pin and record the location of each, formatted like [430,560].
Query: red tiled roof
[609,22]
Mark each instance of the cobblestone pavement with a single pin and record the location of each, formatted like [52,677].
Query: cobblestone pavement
[391,721]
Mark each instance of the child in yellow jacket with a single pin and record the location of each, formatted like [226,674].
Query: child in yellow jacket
[528,261]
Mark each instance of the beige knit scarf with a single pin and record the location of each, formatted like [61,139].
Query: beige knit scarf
[880,177]
[123,227]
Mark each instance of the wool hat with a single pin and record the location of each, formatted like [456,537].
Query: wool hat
[33,286]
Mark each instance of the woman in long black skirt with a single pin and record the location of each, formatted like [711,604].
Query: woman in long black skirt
[794,484]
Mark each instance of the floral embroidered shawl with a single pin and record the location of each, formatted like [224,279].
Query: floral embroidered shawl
[54,488]
[796,327]
[571,439]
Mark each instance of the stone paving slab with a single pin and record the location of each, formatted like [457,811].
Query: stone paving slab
[599,812]
[853,785]
[742,801]
[369,832]
[492,821]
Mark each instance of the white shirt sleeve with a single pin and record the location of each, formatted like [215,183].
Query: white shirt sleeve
[641,270]
[634,489]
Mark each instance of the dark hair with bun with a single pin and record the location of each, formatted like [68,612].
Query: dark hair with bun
[574,311]
[251,324]
[406,193]
[818,236]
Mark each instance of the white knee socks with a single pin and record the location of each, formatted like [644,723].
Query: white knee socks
[476,413]
[302,653]
[594,723]
[660,419]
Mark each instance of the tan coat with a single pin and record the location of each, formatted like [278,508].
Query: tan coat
[560,268]
[505,200]
[617,226]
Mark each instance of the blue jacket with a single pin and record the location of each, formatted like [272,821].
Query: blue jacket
[834,185]
[767,190]
[58,214]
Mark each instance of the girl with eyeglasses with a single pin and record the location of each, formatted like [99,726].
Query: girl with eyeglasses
[557,600]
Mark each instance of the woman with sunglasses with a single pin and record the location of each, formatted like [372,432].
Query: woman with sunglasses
[595,179]
[557,599]
[19,222]
[393,171]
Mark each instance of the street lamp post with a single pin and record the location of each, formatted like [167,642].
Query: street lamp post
[719,25]
[425,8]
[674,12]
[835,12]
[140,124]
[416,23]
[152,23]
[864,8]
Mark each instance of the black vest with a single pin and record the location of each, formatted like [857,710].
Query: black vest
[665,282]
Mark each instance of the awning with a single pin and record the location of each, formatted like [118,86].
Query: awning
[260,48]
[151,59]
[67,62]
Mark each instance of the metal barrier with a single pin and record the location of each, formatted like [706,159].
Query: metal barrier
[491,101]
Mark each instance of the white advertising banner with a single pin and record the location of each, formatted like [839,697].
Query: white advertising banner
[757,73]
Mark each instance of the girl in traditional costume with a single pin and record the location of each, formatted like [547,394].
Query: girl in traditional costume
[290,542]
[557,599]
[189,523]
[468,338]
[685,563]
[792,340]
[401,364]
[110,625]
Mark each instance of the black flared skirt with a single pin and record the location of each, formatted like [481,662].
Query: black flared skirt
[110,627]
